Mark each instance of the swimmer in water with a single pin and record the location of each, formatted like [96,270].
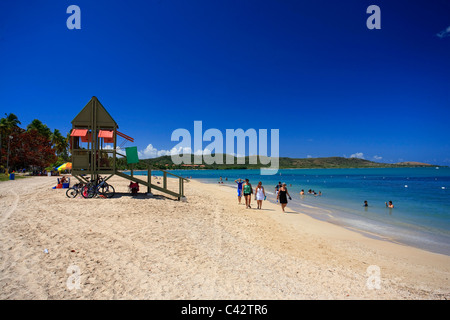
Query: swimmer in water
[389,205]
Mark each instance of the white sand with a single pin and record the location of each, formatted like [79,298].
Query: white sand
[206,248]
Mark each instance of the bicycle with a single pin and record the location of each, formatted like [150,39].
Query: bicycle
[100,187]
[77,188]
[73,191]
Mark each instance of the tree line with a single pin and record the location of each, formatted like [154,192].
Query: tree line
[35,147]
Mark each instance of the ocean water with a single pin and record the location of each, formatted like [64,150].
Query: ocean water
[421,198]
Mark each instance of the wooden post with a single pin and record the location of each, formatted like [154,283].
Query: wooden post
[115,148]
[149,179]
[165,180]
[94,146]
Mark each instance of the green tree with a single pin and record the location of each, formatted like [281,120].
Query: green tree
[60,144]
[7,125]
[41,128]
[9,122]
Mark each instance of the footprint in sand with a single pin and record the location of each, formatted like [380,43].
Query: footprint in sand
[10,205]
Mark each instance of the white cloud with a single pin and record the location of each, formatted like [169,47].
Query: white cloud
[444,33]
[309,156]
[358,155]
[151,152]
[180,150]
[377,157]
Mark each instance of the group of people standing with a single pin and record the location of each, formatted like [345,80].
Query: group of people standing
[388,204]
[244,188]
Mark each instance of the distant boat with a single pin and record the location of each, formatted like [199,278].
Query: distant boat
[437,167]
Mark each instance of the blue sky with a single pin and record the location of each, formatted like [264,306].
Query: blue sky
[311,69]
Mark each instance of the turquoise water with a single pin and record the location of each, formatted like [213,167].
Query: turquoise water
[421,196]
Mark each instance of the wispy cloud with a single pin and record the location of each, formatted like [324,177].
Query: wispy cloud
[359,155]
[444,33]
[377,157]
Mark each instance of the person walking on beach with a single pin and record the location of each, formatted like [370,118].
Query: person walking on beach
[248,190]
[239,188]
[283,194]
[277,188]
[260,195]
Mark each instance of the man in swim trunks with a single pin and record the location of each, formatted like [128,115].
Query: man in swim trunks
[239,188]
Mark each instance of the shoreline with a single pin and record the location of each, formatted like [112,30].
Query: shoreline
[411,235]
[208,247]
[340,218]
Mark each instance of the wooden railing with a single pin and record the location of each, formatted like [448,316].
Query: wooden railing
[150,186]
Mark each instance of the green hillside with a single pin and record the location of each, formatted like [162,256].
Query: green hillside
[165,162]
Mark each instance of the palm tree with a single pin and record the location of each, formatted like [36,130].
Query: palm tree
[60,143]
[10,121]
[40,127]
[6,125]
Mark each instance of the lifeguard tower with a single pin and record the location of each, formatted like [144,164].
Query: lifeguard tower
[93,143]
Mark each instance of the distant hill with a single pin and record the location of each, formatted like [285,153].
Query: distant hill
[414,164]
[165,162]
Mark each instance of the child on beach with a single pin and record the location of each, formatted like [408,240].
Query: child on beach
[239,189]
[260,195]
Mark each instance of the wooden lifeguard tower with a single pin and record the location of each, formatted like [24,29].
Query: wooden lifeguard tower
[93,144]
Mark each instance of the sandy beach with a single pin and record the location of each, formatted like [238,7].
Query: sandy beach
[208,247]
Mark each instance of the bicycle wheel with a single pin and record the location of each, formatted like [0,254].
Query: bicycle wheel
[108,191]
[88,192]
[71,193]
